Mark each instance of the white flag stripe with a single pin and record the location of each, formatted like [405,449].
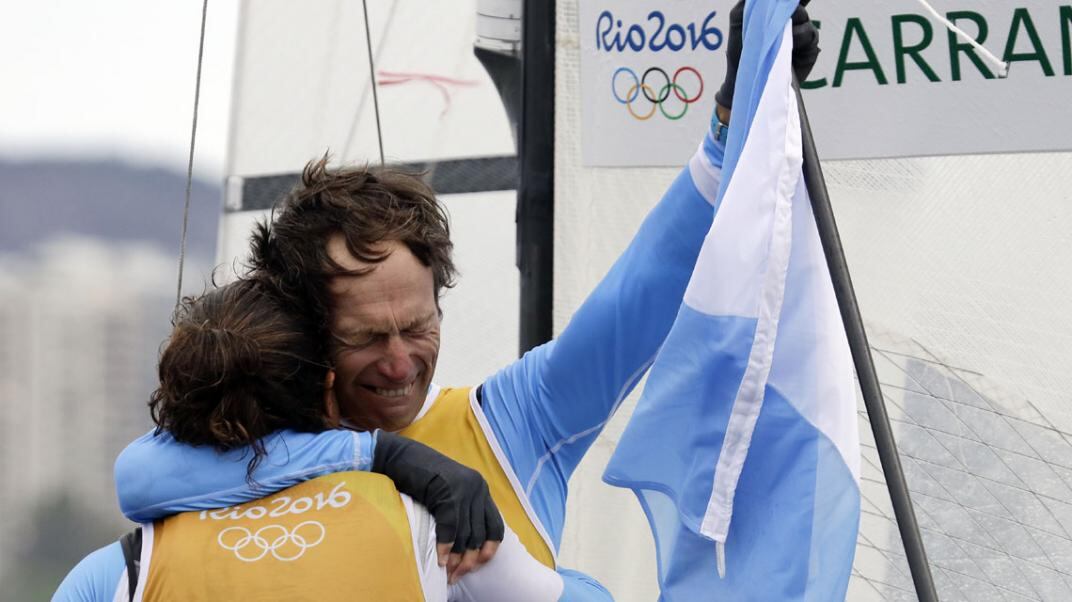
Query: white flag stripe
[757,204]
[812,367]
[732,261]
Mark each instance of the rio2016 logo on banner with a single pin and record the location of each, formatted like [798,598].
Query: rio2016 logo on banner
[654,34]
[889,69]
[648,73]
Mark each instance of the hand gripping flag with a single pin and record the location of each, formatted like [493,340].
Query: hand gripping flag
[743,449]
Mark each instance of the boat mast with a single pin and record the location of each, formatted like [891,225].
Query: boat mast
[516,44]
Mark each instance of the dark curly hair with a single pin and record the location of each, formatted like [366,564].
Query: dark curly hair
[238,367]
[367,206]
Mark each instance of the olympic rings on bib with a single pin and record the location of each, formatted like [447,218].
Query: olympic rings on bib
[657,92]
[284,544]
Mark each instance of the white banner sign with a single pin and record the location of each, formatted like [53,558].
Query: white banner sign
[891,81]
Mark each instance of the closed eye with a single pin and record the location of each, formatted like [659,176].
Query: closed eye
[421,327]
[354,341]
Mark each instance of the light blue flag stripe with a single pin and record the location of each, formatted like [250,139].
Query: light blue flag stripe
[755,376]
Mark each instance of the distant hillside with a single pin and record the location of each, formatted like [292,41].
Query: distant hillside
[108,199]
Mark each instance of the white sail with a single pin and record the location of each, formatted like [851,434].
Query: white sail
[302,88]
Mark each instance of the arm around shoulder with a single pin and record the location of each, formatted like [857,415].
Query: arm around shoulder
[156,476]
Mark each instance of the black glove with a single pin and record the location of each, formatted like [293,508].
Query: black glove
[805,42]
[456,495]
[805,49]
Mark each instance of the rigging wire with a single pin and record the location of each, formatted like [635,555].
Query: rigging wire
[1002,66]
[352,130]
[372,79]
[190,162]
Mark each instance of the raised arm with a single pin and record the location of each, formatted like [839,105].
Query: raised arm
[548,407]
[613,337]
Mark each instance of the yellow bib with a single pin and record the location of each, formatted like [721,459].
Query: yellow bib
[343,536]
[451,428]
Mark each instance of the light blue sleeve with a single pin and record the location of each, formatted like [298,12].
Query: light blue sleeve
[156,476]
[578,587]
[547,408]
[95,578]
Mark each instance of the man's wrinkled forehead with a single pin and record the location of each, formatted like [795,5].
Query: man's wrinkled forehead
[399,285]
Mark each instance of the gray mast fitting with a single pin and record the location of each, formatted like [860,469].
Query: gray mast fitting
[498,48]
[865,365]
[516,44]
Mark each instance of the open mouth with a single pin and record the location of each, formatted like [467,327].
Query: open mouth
[390,392]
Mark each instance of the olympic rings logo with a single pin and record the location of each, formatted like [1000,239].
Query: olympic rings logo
[654,93]
[285,545]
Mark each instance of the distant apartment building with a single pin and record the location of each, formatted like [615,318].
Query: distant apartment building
[80,329]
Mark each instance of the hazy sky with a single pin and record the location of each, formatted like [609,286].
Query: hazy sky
[115,78]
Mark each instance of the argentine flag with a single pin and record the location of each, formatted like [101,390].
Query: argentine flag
[743,449]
